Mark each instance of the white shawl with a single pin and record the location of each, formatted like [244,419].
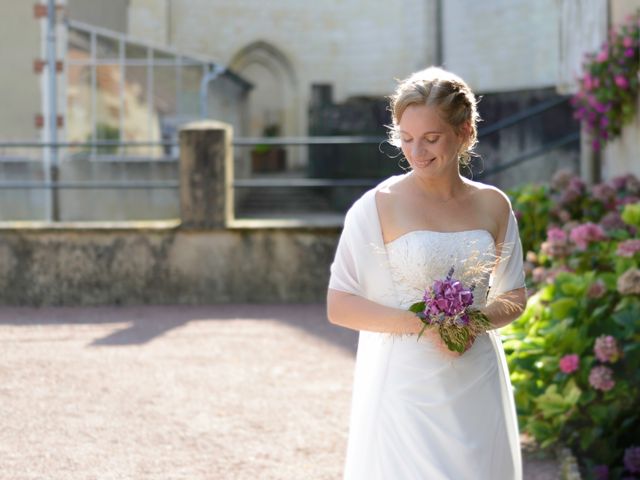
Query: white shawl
[361,268]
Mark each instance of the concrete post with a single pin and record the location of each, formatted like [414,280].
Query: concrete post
[206,174]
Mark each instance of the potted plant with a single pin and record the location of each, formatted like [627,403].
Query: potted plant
[268,158]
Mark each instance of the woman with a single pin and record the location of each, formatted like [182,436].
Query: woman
[420,411]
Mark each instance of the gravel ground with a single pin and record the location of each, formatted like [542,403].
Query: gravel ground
[178,392]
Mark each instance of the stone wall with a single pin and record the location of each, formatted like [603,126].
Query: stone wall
[202,258]
[162,264]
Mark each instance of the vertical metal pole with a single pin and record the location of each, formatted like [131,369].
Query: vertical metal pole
[439,29]
[94,103]
[121,86]
[53,107]
[150,106]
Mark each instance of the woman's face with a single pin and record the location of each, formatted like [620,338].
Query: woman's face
[429,143]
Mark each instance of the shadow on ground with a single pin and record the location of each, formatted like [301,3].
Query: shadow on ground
[144,323]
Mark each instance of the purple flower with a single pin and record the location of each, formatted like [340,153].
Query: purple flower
[601,472]
[621,81]
[628,248]
[584,234]
[601,378]
[555,234]
[632,459]
[569,363]
[629,52]
[612,221]
[606,349]
[447,297]
[603,191]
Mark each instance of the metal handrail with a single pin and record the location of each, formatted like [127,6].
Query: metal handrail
[90,185]
[305,182]
[561,142]
[521,116]
[287,182]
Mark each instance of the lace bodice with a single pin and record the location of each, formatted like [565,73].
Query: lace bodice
[418,258]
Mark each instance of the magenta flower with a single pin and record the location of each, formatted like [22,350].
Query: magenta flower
[601,378]
[587,233]
[621,81]
[632,459]
[606,349]
[555,234]
[569,363]
[628,248]
[629,52]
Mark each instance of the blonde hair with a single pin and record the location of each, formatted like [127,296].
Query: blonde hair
[454,99]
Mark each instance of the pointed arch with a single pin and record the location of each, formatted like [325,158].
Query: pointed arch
[275,94]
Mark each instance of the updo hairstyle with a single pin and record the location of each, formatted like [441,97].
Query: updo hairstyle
[454,99]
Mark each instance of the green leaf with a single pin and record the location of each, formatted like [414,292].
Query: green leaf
[562,308]
[417,307]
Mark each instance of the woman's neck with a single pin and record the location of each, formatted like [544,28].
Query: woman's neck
[440,189]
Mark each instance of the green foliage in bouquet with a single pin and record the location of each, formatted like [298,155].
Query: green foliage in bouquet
[574,355]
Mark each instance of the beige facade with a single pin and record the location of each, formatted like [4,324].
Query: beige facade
[284,47]
[502,45]
[622,155]
[20,45]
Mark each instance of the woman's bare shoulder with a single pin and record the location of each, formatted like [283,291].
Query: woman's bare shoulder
[491,196]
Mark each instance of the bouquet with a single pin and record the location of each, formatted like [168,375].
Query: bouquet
[447,307]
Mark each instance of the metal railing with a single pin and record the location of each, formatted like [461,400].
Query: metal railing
[245,183]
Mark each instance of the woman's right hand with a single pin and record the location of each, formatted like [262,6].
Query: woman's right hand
[434,337]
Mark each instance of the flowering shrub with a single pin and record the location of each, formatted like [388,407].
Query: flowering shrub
[574,354]
[606,100]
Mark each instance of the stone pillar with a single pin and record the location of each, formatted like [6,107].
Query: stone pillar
[206,174]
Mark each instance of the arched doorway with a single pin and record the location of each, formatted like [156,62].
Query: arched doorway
[272,105]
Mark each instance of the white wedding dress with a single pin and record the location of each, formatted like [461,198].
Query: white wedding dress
[433,416]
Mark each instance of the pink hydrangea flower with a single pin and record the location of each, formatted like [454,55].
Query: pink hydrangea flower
[606,349]
[628,248]
[632,459]
[612,221]
[629,282]
[584,234]
[561,178]
[601,378]
[621,81]
[555,234]
[603,56]
[569,363]
[597,289]
[556,245]
[627,42]
[539,274]
[604,192]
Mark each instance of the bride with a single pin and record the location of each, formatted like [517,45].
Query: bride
[420,411]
